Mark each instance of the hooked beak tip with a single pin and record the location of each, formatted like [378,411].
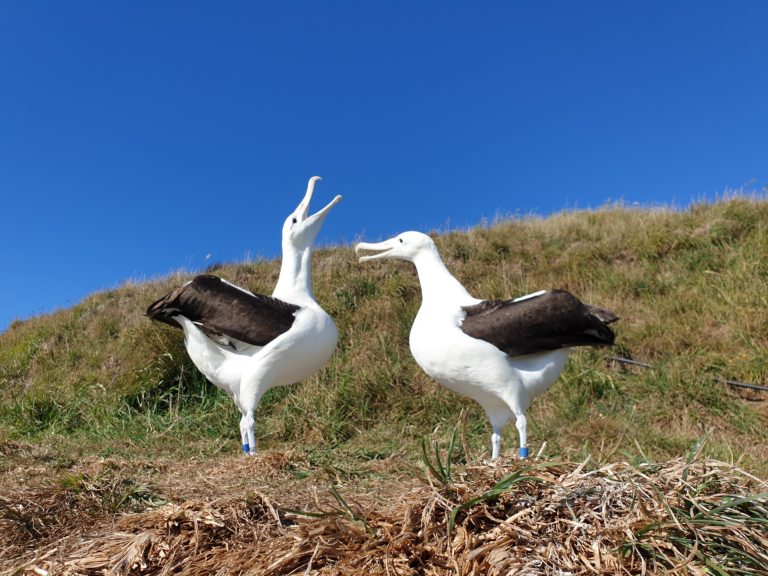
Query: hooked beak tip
[360,247]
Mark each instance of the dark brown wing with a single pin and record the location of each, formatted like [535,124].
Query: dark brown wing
[221,308]
[552,320]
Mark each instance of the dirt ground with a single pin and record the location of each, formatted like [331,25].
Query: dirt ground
[275,514]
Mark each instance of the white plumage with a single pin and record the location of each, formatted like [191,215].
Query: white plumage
[501,354]
[247,343]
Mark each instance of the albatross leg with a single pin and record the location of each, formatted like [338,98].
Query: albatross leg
[495,444]
[244,435]
[522,430]
[498,415]
[250,433]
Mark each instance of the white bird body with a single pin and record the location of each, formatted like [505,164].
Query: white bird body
[251,371]
[503,384]
[246,343]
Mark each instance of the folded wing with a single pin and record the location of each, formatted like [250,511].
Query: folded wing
[221,308]
[545,321]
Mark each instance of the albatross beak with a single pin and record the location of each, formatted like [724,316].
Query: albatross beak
[321,214]
[383,249]
[303,208]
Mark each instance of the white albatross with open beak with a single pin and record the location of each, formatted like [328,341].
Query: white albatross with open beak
[247,343]
[500,353]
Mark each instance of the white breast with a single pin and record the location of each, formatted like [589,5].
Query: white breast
[476,368]
[459,362]
[301,351]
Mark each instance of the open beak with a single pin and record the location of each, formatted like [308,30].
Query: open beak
[383,249]
[320,215]
[303,207]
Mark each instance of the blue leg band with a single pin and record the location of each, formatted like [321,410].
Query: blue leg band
[523,452]
[246,448]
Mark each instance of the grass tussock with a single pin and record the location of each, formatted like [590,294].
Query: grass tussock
[543,517]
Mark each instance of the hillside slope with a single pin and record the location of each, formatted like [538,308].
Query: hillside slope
[690,287]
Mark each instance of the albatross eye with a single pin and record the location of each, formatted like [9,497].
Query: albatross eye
[401,240]
[294,220]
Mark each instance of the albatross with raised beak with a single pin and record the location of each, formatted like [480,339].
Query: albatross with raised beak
[247,343]
[500,353]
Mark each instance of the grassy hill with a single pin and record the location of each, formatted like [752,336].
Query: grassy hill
[690,287]
[115,454]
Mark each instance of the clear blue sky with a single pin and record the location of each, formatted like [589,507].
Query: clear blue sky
[136,138]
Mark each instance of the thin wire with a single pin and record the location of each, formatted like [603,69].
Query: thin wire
[621,360]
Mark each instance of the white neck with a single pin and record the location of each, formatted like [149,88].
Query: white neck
[294,284]
[437,284]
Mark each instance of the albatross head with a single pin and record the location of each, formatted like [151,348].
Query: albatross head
[405,246]
[300,229]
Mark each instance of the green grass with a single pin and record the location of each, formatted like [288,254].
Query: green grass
[689,285]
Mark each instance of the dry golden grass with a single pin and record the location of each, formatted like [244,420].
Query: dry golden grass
[538,517]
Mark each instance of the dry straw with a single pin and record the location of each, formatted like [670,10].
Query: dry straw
[680,517]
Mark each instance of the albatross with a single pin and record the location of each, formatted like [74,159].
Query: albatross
[500,353]
[247,343]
